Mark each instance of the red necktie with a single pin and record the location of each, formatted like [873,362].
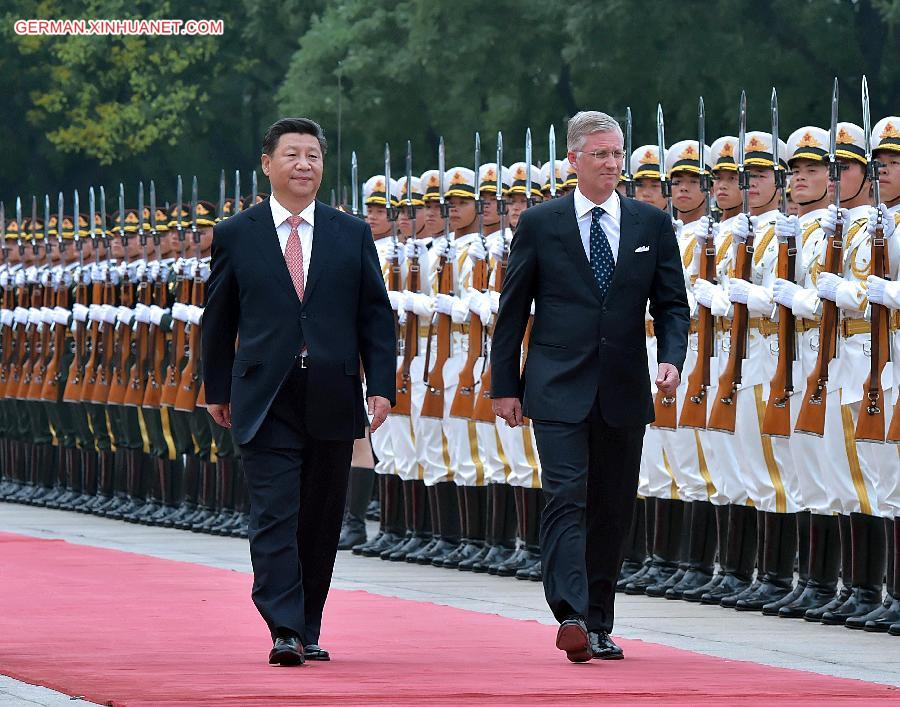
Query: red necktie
[293,255]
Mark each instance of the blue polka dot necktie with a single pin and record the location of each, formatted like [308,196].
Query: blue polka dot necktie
[602,262]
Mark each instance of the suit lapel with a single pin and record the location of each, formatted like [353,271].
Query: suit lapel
[570,236]
[324,233]
[267,242]
[628,240]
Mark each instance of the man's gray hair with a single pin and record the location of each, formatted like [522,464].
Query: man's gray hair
[587,122]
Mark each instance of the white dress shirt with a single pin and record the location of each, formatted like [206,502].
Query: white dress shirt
[280,216]
[610,220]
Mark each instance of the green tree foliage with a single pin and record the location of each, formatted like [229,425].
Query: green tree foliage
[89,110]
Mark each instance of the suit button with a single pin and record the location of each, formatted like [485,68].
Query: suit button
[603,340]
[603,310]
[303,315]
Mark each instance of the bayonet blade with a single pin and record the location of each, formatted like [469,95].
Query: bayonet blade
[33,224]
[742,130]
[832,136]
[220,207]
[253,188]
[60,206]
[194,200]
[76,226]
[354,183]
[441,168]
[409,175]
[152,207]
[179,197]
[701,137]
[872,166]
[387,178]
[103,211]
[47,220]
[552,142]
[92,229]
[776,157]
[499,166]
[477,166]
[528,158]
[140,208]
[237,192]
[122,210]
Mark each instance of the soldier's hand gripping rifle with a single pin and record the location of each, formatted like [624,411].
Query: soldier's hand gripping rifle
[724,412]
[811,419]
[411,334]
[484,411]
[463,404]
[433,405]
[665,407]
[693,412]
[189,381]
[100,391]
[137,375]
[77,368]
[870,426]
[777,418]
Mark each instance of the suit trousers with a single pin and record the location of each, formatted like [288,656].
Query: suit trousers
[590,477]
[297,487]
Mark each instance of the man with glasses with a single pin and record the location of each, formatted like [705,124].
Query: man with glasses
[589,261]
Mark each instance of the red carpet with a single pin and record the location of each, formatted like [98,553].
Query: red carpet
[121,628]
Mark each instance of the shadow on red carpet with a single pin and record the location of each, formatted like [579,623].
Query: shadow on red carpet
[121,628]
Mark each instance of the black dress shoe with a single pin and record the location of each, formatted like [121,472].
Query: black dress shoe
[603,647]
[286,651]
[572,638]
[314,652]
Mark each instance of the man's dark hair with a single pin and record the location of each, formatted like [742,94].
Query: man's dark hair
[304,126]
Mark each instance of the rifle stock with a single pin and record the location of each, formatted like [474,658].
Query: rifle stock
[173,370]
[156,354]
[484,407]
[123,334]
[463,404]
[137,378]
[53,375]
[811,419]
[410,347]
[100,391]
[75,377]
[777,418]
[433,404]
[189,383]
[693,412]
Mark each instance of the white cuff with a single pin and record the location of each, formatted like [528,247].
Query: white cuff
[80,312]
[156,314]
[125,315]
[195,314]
[850,296]
[21,315]
[61,315]
[180,311]
[142,313]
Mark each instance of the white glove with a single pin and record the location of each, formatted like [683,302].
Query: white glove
[677,226]
[440,247]
[156,314]
[61,315]
[20,278]
[395,252]
[79,312]
[495,300]
[703,229]
[31,274]
[195,314]
[109,313]
[828,221]
[140,270]
[742,227]
[738,290]
[827,284]
[887,221]
[876,289]
[480,305]
[419,304]
[712,297]
[203,269]
[142,313]
[98,273]
[444,304]
[396,298]
[477,252]
[47,278]
[496,245]
[21,315]
[95,312]
[180,311]
[4,279]
[417,249]
[6,317]
[125,315]
[84,275]
[786,227]
[785,290]
[47,315]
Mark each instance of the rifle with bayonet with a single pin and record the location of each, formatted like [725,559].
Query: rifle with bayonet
[48,295]
[53,374]
[189,382]
[17,350]
[6,334]
[77,368]
[411,333]
[484,411]
[870,426]
[100,391]
[629,177]
[433,404]
[463,404]
[96,299]
[33,329]
[123,333]
[137,377]
[665,407]
[693,412]
[811,419]
[172,382]
[354,184]
[395,280]
[724,412]
[777,419]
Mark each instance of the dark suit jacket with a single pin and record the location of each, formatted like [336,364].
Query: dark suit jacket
[345,315]
[582,347]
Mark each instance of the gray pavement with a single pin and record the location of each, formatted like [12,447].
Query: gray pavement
[713,631]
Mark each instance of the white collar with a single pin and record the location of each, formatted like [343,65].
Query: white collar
[583,205]
[281,214]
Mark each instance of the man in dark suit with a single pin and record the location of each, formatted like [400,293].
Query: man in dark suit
[298,284]
[589,262]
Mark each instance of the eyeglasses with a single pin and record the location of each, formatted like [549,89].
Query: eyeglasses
[602,155]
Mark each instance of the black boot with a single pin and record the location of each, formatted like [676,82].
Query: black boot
[824,559]
[224,506]
[867,537]
[527,514]
[392,511]
[803,521]
[64,492]
[121,481]
[487,523]
[242,522]
[151,489]
[431,528]
[701,550]
[104,461]
[667,542]
[208,497]
[405,525]
[890,616]
[778,562]
[359,491]
[139,485]
[452,560]
[635,545]
[164,470]
[446,520]
[740,555]
[731,601]
[380,481]
[534,508]
[721,528]
[44,466]
[502,529]
[415,501]
[90,487]
[476,524]
[70,463]
[682,553]
[191,487]
[846,572]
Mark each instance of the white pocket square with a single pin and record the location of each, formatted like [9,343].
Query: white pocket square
[642,249]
